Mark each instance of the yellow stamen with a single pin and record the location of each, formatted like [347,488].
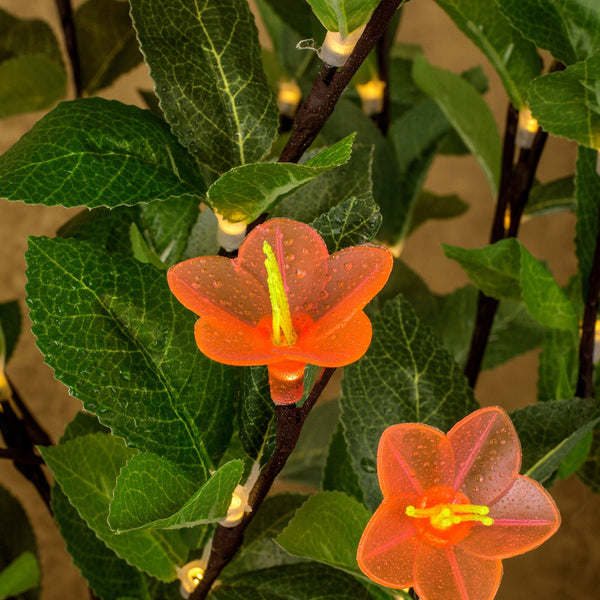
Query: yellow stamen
[282,318]
[443,516]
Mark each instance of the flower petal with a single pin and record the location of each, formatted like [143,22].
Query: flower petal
[341,347]
[234,343]
[355,275]
[524,517]
[387,547]
[413,458]
[487,453]
[213,286]
[301,255]
[449,574]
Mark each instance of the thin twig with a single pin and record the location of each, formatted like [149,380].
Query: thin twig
[21,457]
[65,12]
[227,541]
[515,186]
[37,434]
[585,377]
[328,88]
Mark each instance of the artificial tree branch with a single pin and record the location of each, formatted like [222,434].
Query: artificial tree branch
[227,541]
[513,194]
[585,377]
[21,457]
[383,49]
[328,88]
[65,12]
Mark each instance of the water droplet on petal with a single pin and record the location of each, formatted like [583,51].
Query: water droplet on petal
[217,283]
[300,273]
[288,242]
[324,294]
[348,266]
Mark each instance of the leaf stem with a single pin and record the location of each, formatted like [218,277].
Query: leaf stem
[65,12]
[585,377]
[513,194]
[330,84]
[227,541]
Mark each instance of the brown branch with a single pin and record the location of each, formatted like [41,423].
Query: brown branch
[585,377]
[513,194]
[227,541]
[328,88]
[21,457]
[65,12]
[37,434]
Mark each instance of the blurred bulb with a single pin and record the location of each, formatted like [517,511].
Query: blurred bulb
[371,95]
[190,576]
[230,235]
[337,48]
[237,508]
[526,129]
[288,98]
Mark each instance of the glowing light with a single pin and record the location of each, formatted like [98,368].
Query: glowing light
[288,98]
[526,129]
[230,235]
[507,219]
[337,48]
[372,96]
[190,575]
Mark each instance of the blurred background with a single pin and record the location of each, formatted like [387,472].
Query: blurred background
[565,568]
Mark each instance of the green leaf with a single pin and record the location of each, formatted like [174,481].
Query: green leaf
[217,101]
[506,270]
[202,240]
[513,332]
[292,582]
[154,493]
[86,469]
[587,194]
[557,371]
[339,474]
[256,413]
[552,197]
[97,152]
[343,15]
[20,576]
[296,14]
[431,206]
[327,528]
[330,189]
[416,137]
[516,60]
[259,550]
[106,43]
[32,74]
[569,29]
[141,250]
[347,118]
[17,535]
[352,222]
[550,430]
[405,376]
[468,113]
[29,83]
[576,457]
[305,465]
[108,575]
[114,334]
[10,324]
[589,473]
[245,192]
[567,103]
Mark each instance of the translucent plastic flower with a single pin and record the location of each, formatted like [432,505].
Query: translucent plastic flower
[283,302]
[454,506]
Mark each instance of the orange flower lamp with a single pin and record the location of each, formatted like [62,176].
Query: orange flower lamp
[283,302]
[454,506]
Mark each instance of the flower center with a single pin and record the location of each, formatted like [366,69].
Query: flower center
[280,308]
[444,516]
